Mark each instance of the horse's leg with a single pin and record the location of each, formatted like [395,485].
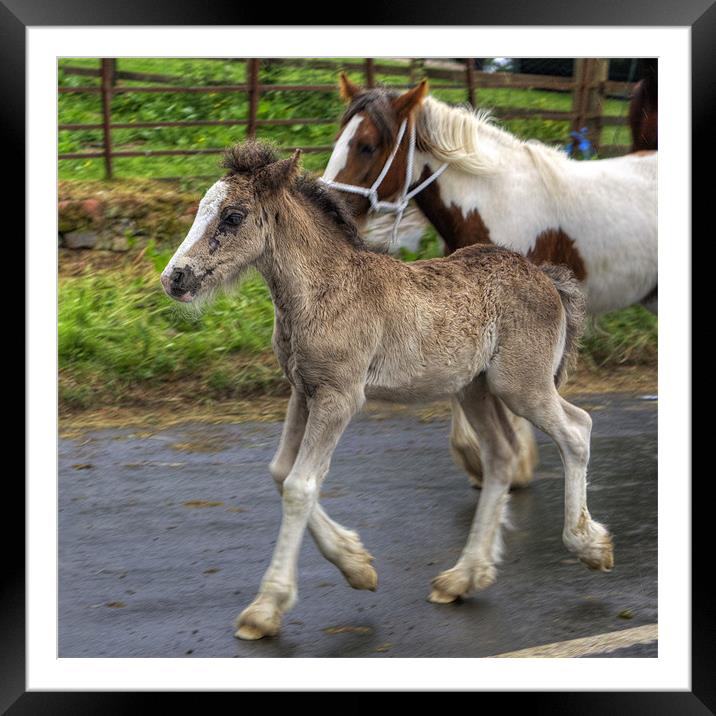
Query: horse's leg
[536,398]
[337,544]
[328,416]
[465,448]
[476,567]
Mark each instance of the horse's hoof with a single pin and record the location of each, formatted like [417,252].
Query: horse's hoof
[249,633]
[450,585]
[365,578]
[438,597]
[257,621]
[593,545]
[601,557]
[354,561]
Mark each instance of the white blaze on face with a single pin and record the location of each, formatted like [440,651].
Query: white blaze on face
[207,213]
[340,153]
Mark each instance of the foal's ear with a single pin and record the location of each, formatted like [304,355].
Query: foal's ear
[279,174]
[347,89]
[411,99]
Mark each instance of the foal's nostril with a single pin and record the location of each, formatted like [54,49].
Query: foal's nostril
[181,281]
[176,280]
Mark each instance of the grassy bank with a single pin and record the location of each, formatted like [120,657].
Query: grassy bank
[121,340]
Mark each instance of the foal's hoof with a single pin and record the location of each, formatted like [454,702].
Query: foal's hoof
[600,555]
[449,586]
[354,561]
[364,578]
[594,547]
[457,582]
[249,633]
[256,622]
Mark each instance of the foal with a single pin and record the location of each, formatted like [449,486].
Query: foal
[482,325]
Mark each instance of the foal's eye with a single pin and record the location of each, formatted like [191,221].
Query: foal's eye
[366,149]
[234,218]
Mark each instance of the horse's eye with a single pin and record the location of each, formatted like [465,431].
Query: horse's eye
[234,218]
[366,149]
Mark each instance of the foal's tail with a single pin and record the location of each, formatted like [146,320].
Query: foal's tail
[575,309]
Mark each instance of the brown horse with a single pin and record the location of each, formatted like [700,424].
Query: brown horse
[477,183]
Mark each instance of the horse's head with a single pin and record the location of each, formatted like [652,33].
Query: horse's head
[368,134]
[232,223]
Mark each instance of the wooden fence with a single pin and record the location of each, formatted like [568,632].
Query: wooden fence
[588,87]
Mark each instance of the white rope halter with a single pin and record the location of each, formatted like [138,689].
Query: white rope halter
[400,205]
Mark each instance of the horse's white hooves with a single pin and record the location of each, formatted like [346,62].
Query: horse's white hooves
[363,578]
[249,633]
[438,597]
[256,622]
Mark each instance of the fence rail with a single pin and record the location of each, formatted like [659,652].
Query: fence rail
[588,87]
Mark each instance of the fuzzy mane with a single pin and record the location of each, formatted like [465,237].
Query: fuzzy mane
[250,157]
[331,204]
[465,138]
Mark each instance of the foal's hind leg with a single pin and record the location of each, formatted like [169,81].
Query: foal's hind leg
[465,448]
[536,398]
[476,567]
[337,544]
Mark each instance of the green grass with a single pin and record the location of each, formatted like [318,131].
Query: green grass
[118,332]
[86,109]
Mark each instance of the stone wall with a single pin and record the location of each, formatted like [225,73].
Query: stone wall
[117,216]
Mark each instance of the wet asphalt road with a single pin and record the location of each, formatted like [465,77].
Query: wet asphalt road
[164,537]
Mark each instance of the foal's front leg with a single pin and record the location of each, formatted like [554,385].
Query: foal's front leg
[329,414]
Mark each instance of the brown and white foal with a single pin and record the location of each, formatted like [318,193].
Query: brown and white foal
[483,326]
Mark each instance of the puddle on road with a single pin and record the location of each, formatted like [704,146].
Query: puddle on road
[348,630]
[199,504]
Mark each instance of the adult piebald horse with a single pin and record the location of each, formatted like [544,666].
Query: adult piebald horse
[477,183]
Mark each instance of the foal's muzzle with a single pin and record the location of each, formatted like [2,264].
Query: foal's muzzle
[181,283]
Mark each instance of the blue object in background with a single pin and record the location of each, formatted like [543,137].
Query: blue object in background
[581,143]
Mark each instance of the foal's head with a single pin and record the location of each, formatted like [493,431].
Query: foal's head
[232,223]
[368,134]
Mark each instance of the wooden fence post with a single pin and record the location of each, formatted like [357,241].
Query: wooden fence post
[107,71]
[369,73]
[594,101]
[470,80]
[587,96]
[412,66]
[252,76]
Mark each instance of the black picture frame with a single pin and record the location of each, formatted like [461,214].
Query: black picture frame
[699,15]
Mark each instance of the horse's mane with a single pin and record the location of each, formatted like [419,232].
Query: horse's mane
[377,104]
[453,134]
[250,157]
[465,138]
